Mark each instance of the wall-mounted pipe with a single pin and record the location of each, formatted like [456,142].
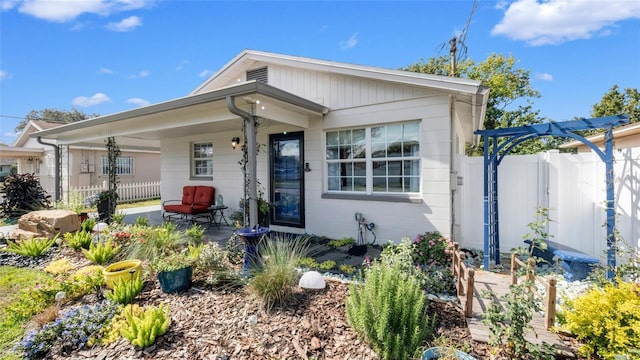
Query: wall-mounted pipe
[251,174]
[56,178]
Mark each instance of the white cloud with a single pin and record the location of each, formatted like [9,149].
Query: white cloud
[105,71]
[544,76]
[67,10]
[557,21]
[126,24]
[204,73]
[182,65]
[97,99]
[141,74]
[138,102]
[4,74]
[349,43]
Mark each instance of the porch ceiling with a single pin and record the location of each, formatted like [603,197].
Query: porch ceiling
[143,128]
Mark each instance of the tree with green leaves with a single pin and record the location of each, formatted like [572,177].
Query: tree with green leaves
[54,115]
[510,99]
[615,102]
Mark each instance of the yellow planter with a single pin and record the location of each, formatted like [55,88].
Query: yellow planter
[121,270]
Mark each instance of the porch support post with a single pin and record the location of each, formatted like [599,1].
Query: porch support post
[252,169]
[611,212]
[251,179]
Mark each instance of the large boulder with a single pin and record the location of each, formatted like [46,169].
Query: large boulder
[46,223]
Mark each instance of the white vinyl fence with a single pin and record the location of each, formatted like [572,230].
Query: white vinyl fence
[127,192]
[572,186]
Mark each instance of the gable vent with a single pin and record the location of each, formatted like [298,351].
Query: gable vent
[260,75]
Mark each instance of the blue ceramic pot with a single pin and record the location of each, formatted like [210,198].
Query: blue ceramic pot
[175,280]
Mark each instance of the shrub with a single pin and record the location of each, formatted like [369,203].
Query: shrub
[87,225]
[347,269]
[101,251]
[79,239]
[142,329]
[235,250]
[111,332]
[30,247]
[327,265]
[390,311]
[22,193]
[125,290]
[58,267]
[274,282]
[308,263]
[142,221]
[155,242]
[607,320]
[341,242]
[71,330]
[431,248]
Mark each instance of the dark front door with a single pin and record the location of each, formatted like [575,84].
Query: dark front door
[287,179]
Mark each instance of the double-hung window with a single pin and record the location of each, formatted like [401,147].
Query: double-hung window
[124,165]
[202,159]
[378,159]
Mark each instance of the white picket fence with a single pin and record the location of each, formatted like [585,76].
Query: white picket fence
[127,192]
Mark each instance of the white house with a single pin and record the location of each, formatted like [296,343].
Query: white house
[333,140]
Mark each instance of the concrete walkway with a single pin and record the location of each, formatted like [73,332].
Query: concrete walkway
[154,214]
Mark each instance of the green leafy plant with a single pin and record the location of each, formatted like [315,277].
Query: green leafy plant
[341,242]
[20,194]
[347,269]
[79,239]
[235,250]
[30,247]
[60,266]
[432,249]
[273,283]
[327,265]
[142,221]
[607,320]
[87,225]
[308,263]
[111,332]
[72,330]
[173,261]
[390,310]
[155,242]
[125,290]
[538,235]
[101,251]
[118,217]
[195,234]
[142,329]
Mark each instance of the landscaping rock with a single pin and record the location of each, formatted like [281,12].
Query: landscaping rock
[312,280]
[46,223]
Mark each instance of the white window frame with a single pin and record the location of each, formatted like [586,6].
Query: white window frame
[413,159]
[196,163]
[122,162]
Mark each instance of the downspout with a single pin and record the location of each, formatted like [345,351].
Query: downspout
[251,174]
[56,180]
[453,173]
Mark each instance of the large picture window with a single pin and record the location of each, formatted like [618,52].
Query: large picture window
[124,165]
[379,159]
[202,159]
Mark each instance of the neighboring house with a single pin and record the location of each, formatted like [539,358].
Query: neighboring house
[5,167]
[624,137]
[81,164]
[336,140]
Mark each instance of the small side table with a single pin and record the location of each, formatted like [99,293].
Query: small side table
[219,211]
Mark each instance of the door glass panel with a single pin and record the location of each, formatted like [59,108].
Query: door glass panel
[287,180]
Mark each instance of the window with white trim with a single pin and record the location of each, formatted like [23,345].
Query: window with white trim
[202,159]
[124,165]
[377,159]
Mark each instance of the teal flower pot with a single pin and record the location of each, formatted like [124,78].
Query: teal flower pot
[434,353]
[175,280]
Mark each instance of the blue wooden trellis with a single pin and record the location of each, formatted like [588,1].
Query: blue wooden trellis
[494,152]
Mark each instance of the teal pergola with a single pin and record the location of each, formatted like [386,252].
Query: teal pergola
[495,151]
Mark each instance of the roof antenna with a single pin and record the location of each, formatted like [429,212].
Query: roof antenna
[459,42]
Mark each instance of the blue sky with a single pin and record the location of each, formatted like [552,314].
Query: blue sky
[106,56]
